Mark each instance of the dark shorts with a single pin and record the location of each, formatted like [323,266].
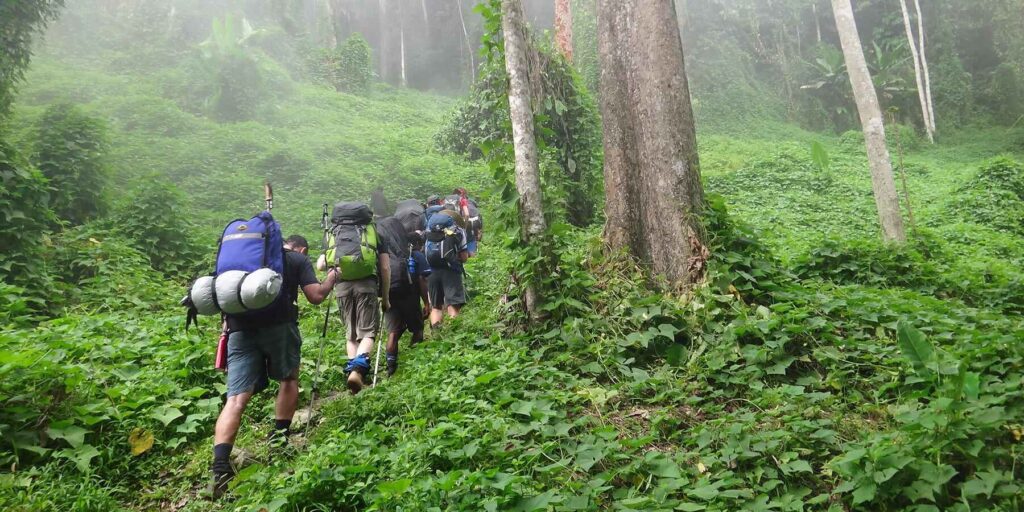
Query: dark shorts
[445,288]
[254,355]
[359,309]
[406,313]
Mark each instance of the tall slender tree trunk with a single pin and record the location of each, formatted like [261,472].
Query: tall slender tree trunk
[469,45]
[384,50]
[917,72]
[817,20]
[531,209]
[563,27]
[401,28]
[864,93]
[652,173]
[426,16]
[924,65]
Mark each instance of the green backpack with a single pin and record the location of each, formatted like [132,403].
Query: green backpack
[353,249]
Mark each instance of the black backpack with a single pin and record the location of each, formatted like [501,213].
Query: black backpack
[475,222]
[392,232]
[410,213]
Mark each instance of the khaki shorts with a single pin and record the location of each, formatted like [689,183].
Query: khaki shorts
[359,309]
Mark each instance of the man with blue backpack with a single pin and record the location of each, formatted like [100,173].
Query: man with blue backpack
[264,344]
[446,250]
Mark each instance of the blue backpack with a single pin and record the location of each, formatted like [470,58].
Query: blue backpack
[251,245]
[443,238]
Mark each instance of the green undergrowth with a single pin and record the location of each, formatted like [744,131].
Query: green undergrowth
[314,144]
[764,389]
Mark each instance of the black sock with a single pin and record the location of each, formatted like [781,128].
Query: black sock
[222,451]
[284,425]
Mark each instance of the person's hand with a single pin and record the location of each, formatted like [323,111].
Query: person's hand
[426,310]
[385,304]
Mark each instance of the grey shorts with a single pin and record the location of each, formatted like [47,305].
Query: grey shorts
[445,288]
[254,355]
[358,307]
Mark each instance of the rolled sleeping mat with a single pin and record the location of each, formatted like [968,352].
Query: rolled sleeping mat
[261,288]
[203,296]
[239,291]
[227,286]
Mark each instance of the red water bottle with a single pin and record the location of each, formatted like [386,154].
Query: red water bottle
[221,360]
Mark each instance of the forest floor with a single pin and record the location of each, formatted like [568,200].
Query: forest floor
[815,370]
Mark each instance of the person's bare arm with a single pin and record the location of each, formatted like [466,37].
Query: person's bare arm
[316,293]
[424,296]
[464,256]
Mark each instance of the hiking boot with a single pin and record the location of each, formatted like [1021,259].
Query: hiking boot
[355,381]
[278,438]
[392,367]
[222,475]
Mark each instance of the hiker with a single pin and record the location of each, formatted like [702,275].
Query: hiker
[474,225]
[446,252]
[434,205]
[409,271]
[365,276]
[267,346]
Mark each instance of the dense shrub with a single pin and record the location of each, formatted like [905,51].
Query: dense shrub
[25,217]
[994,196]
[568,131]
[70,149]
[232,81]
[953,94]
[1005,94]
[154,218]
[355,70]
[347,68]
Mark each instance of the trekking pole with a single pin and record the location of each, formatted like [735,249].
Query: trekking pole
[316,372]
[268,194]
[376,359]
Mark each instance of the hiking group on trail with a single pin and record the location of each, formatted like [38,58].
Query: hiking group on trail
[409,266]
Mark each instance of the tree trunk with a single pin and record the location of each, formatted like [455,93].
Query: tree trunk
[871,120]
[401,27]
[531,212]
[426,15]
[924,65]
[391,48]
[917,72]
[563,28]
[817,21]
[469,45]
[652,173]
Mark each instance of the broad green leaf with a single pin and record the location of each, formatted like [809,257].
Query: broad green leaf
[73,434]
[972,385]
[166,415]
[819,155]
[915,347]
[488,377]
[394,487]
[864,493]
[539,502]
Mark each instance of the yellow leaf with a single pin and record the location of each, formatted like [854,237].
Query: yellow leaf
[701,468]
[141,440]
